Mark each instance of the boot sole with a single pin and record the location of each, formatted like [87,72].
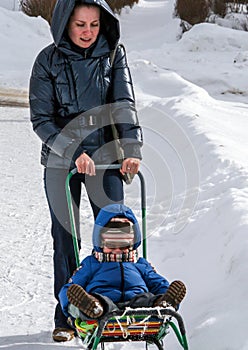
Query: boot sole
[175,293]
[86,303]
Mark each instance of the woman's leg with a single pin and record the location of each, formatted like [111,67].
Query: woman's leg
[64,256]
[104,188]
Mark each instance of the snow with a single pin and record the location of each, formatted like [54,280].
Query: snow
[192,101]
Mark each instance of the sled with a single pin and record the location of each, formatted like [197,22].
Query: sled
[149,325]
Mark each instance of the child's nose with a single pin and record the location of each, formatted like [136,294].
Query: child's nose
[117,250]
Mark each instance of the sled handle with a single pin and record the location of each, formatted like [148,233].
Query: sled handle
[75,235]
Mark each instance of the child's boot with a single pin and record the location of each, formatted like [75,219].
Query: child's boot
[173,296]
[85,302]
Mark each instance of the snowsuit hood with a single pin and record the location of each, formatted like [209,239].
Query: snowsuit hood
[109,212]
[63,10]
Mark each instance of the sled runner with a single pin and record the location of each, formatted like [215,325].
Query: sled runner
[149,325]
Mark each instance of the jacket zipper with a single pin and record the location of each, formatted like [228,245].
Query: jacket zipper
[122,283]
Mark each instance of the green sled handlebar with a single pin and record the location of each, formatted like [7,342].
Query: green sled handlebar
[75,234]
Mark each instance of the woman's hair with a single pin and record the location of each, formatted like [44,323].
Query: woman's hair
[79,3]
[82,3]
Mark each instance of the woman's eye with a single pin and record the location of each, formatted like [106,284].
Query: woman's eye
[82,25]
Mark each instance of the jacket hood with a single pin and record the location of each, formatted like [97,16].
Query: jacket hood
[109,212]
[63,10]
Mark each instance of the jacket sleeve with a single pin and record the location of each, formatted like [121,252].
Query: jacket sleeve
[123,106]
[80,277]
[156,283]
[42,107]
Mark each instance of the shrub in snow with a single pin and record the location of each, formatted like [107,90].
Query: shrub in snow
[118,5]
[35,8]
[219,7]
[192,11]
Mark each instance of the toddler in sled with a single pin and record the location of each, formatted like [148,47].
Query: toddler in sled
[113,276]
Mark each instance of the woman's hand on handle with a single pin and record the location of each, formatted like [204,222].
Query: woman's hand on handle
[85,165]
[130,165]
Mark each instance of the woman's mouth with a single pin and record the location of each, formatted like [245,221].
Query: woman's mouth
[85,39]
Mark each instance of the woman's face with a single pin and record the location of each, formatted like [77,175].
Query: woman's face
[84,26]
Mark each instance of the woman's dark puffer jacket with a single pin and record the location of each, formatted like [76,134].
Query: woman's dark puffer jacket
[72,91]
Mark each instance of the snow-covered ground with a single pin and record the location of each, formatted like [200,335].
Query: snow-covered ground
[192,101]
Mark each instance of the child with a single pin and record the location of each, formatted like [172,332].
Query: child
[113,276]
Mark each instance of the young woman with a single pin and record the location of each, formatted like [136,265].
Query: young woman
[76,94]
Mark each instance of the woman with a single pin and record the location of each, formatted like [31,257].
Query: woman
[74,87]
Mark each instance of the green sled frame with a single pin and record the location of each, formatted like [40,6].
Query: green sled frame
[149,325]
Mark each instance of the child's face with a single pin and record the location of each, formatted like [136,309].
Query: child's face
[108,250]
[117,237]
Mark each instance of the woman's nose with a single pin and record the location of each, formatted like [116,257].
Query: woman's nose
[87,29]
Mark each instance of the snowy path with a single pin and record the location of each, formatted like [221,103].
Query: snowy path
[25,244]
[26,291]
